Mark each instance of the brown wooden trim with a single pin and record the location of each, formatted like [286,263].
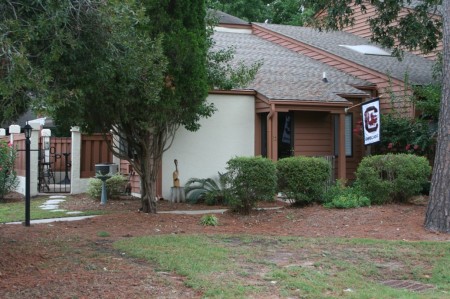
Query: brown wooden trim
[274,140]
[257,138]
[286,106]
[249,92]
[235,26]
[262,97]
[342,171]
[270,120]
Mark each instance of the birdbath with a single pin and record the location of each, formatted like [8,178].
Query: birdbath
[104,172]
[103,177]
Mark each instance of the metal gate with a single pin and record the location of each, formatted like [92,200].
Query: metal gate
[54,164]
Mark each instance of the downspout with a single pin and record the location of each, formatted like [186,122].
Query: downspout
[269,130]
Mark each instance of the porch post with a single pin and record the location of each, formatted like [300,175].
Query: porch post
[274,140]
[272,133]
[342,169]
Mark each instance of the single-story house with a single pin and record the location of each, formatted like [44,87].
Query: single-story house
[297,103]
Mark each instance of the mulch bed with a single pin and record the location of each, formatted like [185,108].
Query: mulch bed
[70,259]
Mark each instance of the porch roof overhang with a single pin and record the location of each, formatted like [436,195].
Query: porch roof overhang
[285,105]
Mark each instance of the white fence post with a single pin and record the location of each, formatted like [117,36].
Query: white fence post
[76,185]
[34,158]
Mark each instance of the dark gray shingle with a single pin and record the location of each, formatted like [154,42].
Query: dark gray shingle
[417,68]
[286,75]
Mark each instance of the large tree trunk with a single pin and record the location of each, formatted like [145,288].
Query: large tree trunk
[149,176]
[438,212]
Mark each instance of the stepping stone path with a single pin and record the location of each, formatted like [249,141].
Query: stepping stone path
[53,205]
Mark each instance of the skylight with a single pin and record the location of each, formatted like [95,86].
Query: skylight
[367,50]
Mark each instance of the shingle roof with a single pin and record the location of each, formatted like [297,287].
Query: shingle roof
[417,68]
[286,75]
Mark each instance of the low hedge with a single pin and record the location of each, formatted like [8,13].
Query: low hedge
[115,186]
[303,179]
[392,177]
[251,179]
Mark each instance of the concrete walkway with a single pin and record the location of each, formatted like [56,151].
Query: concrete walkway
[50,220]
[196,212]
[52,204]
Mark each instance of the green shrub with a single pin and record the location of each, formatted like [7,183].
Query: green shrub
[390,177]
[303,179]
[209,191]
[251,179]
[209,220]
[342,197]
[103,234]
[8,178]
[115,186]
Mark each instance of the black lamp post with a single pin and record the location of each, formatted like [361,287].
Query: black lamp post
[27,130]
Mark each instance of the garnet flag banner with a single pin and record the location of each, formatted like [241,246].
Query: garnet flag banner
[371,121]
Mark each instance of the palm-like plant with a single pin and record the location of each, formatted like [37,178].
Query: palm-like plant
[210,191]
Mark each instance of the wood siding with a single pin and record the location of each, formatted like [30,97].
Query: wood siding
[314,136]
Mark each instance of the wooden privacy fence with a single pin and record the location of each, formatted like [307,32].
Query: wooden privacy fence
[94,150]
[70,161]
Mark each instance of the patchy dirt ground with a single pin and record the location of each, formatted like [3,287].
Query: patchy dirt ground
[72,260]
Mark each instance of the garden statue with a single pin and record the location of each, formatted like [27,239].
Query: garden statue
[176,180]
[176,192]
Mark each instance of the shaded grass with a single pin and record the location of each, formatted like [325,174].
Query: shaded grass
[15,211]
[253,266]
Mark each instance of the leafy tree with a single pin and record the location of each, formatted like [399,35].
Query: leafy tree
[136,68]
[17,77]
[414,30]
[250,10]
[288,12]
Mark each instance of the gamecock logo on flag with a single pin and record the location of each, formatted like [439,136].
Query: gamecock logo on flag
[371,121]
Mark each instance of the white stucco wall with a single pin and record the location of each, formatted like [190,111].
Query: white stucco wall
[230,132]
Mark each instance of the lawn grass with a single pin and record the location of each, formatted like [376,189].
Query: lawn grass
[12,212]
[241,266]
